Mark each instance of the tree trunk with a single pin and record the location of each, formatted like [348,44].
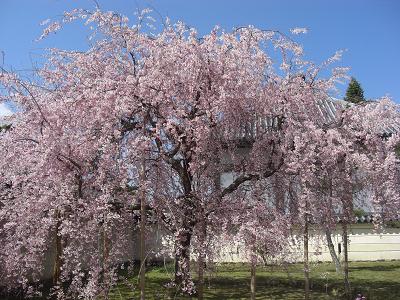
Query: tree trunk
[332,251]
[106,253]
[202,259]
[306,263]
[347,214]
[142,270]
[346,261]
[253,276]
[279,193]
[183,278]
[58,248]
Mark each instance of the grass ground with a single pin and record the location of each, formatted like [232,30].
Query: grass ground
[376,280]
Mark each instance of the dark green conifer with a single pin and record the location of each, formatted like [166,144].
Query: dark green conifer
[354,93]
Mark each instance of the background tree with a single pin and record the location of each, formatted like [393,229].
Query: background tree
[354,92]
[5,127]
[341,161]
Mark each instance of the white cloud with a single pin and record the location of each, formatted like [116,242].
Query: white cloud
[4,110]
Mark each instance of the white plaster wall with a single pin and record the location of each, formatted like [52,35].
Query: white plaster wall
[365,244]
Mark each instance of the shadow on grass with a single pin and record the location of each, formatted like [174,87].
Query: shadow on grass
[224,288]
[381,268]
[376,280]
[272,287]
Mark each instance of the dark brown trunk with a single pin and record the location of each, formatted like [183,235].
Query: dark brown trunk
[58,248]
[142,270]
[202,259]
[279,193]
[346,261]
[348,209]
[332,251]
[306,263]
[253,277]
[182,258]
[105,267]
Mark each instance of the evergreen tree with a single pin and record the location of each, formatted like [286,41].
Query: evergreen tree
[5,127]
[354,93]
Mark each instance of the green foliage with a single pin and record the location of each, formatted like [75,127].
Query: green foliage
[397,151]
[354,93]
[359,212]
[393,224]
[5,127]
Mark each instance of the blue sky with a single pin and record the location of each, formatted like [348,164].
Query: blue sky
[368,30]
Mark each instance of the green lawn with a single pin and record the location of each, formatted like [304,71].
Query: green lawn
[376,280]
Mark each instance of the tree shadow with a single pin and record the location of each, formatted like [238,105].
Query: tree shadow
[374,268]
